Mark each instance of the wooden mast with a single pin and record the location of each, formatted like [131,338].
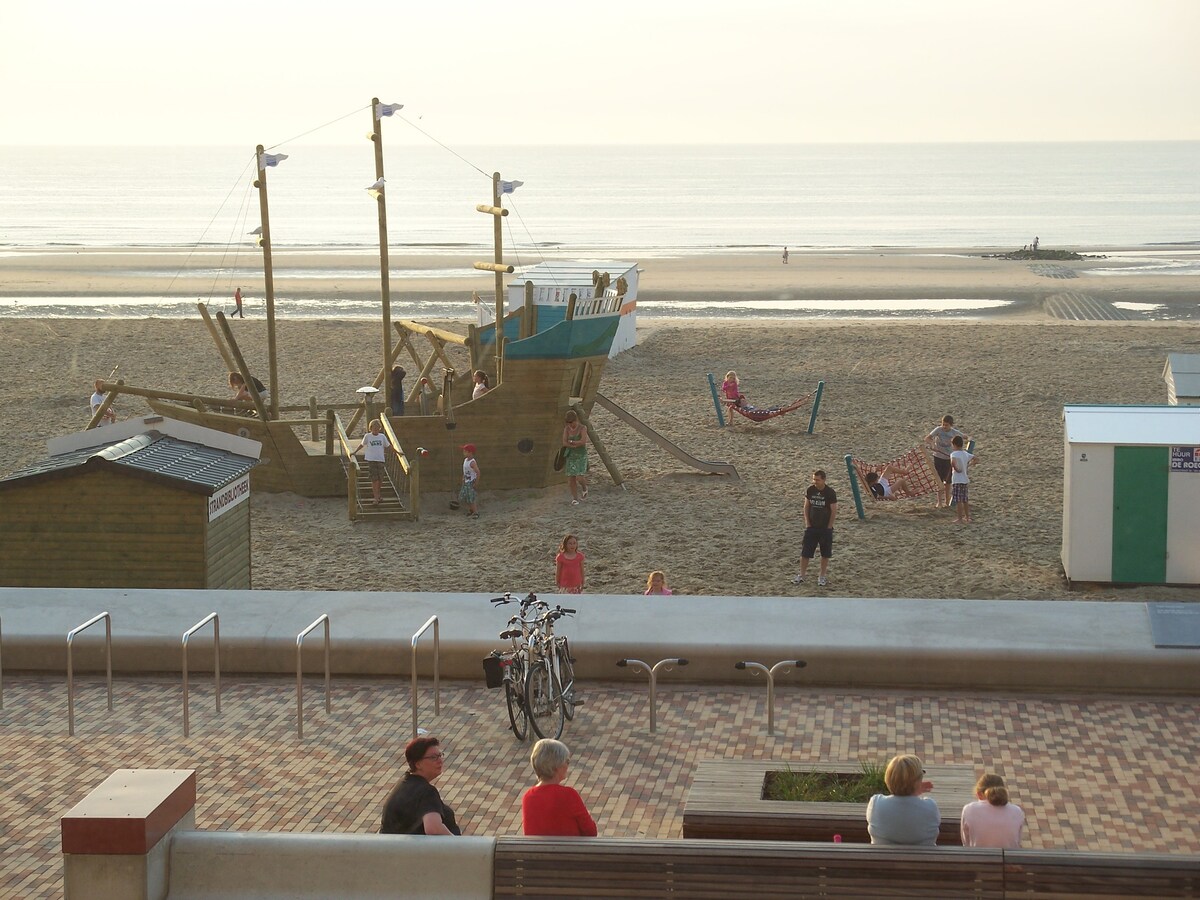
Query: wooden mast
[496,211]
[385,289]
[268,278]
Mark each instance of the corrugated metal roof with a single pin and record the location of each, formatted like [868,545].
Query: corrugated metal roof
[1133,426]
[185,464]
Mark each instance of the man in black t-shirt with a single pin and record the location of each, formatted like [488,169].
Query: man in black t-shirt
[820,509]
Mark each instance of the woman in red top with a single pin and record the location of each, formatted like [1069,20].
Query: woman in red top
[550,808]
[568,566]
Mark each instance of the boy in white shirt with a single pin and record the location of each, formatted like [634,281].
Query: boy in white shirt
[375,443]
[960,461]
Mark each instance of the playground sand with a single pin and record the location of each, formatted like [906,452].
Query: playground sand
[887,384]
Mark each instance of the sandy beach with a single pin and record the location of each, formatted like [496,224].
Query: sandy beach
[1004,378]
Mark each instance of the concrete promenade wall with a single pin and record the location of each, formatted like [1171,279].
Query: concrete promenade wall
[853,642]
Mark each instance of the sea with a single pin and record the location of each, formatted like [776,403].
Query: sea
[599,202]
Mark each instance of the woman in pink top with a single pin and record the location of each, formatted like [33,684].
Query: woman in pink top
[991,821]
[656,583]
[568,565]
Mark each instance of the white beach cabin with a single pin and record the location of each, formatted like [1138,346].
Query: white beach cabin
[1182,375]
[554,283]
[1131,494]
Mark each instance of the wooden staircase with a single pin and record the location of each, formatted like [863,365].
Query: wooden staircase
[391,504]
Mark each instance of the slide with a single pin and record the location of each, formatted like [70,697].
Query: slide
[710,468]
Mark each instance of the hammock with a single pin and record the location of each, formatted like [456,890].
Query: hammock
[921,478]
[760,414]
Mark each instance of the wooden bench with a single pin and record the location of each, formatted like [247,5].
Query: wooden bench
[764,870]
[726,801]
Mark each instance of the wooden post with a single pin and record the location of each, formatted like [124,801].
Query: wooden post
[528,327]
[571,301]
[268,281]
[601,450]
[385,289]
[498,240]
[216,336]
[241,367]
[312,414]
[329,428]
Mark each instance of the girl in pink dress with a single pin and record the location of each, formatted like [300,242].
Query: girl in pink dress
[568,565]
[656,583]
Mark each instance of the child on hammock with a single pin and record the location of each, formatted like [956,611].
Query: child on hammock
[884,487]
[733,390]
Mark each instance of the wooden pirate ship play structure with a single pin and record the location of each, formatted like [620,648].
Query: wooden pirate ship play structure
[537,373]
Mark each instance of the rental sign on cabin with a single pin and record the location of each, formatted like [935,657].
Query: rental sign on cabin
[228,497]
[1185,459]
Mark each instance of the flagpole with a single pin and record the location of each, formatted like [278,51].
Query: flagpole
[268,278]
[385,288]
[498,236]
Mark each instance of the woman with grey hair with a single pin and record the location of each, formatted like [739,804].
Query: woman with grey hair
[550,808]
[906,817]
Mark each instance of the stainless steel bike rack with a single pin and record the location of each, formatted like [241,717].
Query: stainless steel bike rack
[781,666]
[323,618]
[216,620]
[71,666]
[666,665]
[437,688]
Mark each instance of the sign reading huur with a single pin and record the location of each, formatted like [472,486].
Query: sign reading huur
[1185,459]
[228,497]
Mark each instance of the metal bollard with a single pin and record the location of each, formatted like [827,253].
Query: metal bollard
[782,665]
[653,672]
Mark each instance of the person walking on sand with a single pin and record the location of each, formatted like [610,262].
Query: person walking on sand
[820,509]
[568,566]
[939,443]
[785,256]
[237,298]
[375,443]
[960,461]
[575,438]
[469,492]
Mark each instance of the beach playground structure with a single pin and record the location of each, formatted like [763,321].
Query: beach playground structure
[757,414]
[920,476]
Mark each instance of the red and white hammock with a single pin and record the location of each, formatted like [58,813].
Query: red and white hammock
[921,477]
[756,414]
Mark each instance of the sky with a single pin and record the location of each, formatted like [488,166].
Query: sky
[131,72]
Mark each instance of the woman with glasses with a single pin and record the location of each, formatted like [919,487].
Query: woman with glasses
[906,817]
[550,808]
[415,806]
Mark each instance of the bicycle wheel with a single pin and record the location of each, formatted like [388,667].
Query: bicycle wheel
[566,679]
[543,701]
[518,719]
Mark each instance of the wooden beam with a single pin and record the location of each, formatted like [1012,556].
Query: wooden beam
[241,367]
[449,337]
[216,336]
[601,450]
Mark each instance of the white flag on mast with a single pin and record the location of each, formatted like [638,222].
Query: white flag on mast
[271,159]
[386,109]
[507,187]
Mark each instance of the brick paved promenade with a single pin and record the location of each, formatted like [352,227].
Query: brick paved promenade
[1096,773]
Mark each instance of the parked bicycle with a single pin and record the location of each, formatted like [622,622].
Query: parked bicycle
[537,672]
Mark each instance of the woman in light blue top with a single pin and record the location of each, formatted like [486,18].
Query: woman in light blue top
[905,817]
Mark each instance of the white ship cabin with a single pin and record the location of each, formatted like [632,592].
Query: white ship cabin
[554,284]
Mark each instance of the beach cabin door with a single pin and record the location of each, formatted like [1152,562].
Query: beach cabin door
[1139,533]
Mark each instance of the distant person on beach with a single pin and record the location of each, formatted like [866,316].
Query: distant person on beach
[396,390]
[785,256]
[732,389]
[414,806]
[575,439]
[939,443]
[820,509]
[960,461]
[991,821]
[905,817]
[656,584]
[550,808]
[568,566]
[1036,241]
[375,444]
[110,415]
[469,492]
[237,298]
[482,385]
[890,484]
